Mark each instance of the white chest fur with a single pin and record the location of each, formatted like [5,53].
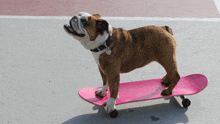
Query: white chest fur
[97,54]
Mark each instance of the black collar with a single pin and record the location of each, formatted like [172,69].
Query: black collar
[106,44]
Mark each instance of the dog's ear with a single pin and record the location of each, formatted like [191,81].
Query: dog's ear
[96,15]
[101,26]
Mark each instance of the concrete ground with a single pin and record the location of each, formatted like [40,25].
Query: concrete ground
[42,68]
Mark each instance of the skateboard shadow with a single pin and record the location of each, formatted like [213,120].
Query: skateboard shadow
[166,113]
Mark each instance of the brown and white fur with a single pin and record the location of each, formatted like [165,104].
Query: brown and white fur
[130,49]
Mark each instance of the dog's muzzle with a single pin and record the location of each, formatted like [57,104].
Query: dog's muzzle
[73,24]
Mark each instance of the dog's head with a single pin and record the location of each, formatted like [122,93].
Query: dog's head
[89,29]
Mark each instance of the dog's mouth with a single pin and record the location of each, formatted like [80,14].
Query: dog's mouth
[70,30]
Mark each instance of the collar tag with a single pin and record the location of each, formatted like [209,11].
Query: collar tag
[108,52]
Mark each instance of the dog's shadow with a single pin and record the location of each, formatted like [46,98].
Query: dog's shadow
[166,113]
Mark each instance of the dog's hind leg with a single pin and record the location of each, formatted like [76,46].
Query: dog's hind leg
[172,77]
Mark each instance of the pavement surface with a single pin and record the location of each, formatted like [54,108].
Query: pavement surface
[42,68]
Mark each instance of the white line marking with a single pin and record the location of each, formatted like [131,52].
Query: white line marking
[164,19]
[120,18]
[217,4]
[35,17]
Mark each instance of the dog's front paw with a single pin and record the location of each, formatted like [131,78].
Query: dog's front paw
[110,105]
[102,92]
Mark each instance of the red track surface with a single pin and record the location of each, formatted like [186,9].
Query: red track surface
[122,8]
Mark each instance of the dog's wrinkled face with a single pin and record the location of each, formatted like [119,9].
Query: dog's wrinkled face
[89,29]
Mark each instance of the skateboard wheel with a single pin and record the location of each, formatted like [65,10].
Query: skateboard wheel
[113,114]
[186,103]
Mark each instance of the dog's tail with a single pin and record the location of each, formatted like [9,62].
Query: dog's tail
[168,29]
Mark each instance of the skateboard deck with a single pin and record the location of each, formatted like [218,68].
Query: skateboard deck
[147,90]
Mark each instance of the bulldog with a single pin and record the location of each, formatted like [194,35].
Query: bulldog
[116,51]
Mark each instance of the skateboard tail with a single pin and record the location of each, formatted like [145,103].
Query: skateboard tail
[192,84]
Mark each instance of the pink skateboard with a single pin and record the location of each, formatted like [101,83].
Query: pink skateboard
[147,90]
